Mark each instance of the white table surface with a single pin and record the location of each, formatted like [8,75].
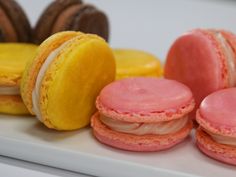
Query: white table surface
[12,167]
[150,25]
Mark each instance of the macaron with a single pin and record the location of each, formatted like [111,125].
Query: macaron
[61,83]
[143,114]
[216,135]
[136,63]
[14,25]
[66,15]
[13,59]
[204,60]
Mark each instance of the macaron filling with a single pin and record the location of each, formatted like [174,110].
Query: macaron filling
[10,90]
[42,71]
[230,58]
[221,139]
[160,128]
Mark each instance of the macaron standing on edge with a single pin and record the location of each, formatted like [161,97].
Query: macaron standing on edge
[204,60]
[71,15]
[143,114]
[13,59]
[136,63]
[14,24]
[216,136]
[61,83]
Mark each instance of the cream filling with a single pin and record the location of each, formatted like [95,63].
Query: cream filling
[230,58]
[160,128]
[10,90]
[42,71]
[222,139]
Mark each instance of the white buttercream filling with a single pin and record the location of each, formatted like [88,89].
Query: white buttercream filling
[42,71]
[230,58]
[9,90]
[222,139]
[160,128]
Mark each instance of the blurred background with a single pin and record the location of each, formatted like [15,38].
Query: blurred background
[153,25]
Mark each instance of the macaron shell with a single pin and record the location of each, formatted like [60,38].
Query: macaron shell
[196,59]
[137,143]
[12,105]
[217,112]
[64,20]
[91,66]
[145,99]
[45,23]
[33,66]
[132,63]
[82,17]
[7,32]
[215,150]
[18,19]
[13,59]
[91,20]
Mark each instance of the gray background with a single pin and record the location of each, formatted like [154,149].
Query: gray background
[153,25]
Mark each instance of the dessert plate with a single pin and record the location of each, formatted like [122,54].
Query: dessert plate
[26,139]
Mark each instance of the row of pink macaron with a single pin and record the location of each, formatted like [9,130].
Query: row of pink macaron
[150,114]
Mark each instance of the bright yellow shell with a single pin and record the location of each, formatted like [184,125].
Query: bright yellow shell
[72,81]
[132,63]
[13,59]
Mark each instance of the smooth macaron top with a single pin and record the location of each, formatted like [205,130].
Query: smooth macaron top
[217,112]
[204,60]
[145,99]
[184,55]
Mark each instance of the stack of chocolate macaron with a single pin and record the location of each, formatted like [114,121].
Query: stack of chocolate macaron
[68,81]
[60,15]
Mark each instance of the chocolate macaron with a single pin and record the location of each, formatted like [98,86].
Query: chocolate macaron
[71,15]
[14,25]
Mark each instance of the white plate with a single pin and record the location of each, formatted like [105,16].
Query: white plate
[27,139]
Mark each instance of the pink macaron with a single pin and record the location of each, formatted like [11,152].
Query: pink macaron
[204,60]
[216,135]
[143,114]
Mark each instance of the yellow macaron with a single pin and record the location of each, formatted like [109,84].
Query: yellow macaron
[61,83]
[134,63]
[13,58]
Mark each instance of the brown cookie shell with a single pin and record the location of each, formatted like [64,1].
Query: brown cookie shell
[91,20]
[7,31]
[45,23]
[18,19]
[83,17]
